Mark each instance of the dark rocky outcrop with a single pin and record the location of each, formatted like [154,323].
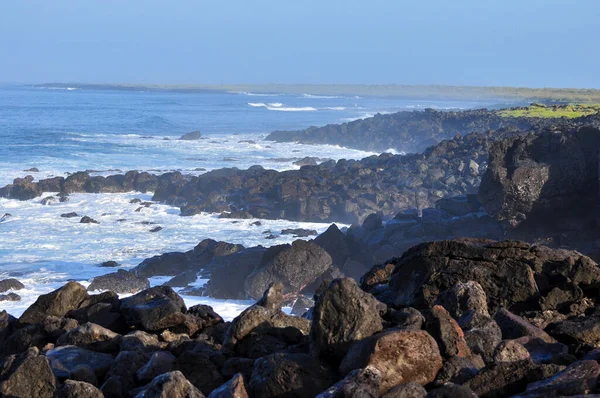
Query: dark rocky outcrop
[57,303]
[27,375]
[192,136]
[10,284]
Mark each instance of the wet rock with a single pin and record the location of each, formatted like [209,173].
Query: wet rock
[57,303]
[160,362]
[168,264]
[298,375]
[362,383]
[172,384]
[295,266]
[192,136]
[10,297]
[27,375]
[120,282]
[206,313]
[78,389]
[154,309]
[343,314]
[402,356]
[88,220]
[183,279]
[234,388]
[299,232]
[10,284]
[91,336]
[156,229]
[109,264]
[66,358]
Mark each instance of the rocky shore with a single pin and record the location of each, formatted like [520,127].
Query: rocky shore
[415,131]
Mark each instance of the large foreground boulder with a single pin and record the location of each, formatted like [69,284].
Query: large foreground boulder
[120,282]
[342,315]
[27,375]
[154,309]
[57,303]
[512,274]
[402,356]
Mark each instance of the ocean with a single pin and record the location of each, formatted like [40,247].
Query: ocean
[60,131]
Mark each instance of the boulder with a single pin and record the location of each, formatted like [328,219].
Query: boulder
[452,391]
[446,332]
[172,384]
[295,266]
[513,326]
[402,356]
[57,303]
[580,332]
[510,351]
[10,284]
[160,362]
[192,136]
[201,366]
[121,378]
[88,220]
[168,264]
[363,383]
[120,282]
[154,309]
[579,378]
[10,297]
[234,388]
[66,358]
[78,389]
[91,336]
[228,273]
[342,315]
[407,390]
[290,375]
[27,375]
[406,318]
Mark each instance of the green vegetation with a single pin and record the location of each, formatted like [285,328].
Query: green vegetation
[516,94]
[552,111]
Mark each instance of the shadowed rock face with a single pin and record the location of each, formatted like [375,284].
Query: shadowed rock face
[540,177]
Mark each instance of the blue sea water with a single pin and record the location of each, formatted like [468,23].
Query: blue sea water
[59,131]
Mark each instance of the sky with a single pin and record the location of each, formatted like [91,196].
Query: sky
[532,43]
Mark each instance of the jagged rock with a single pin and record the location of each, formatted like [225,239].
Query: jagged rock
[402,356]
[206,313]
[444,329]
[261,317]
[301,305]
[299,232]
[294,266]
[168,264]
[581,332]
[78,389]
[91,336]
[57,303]
[172,384]
[55,327]
[204,357]
[360,383]
[234,388]
[228,273]
[101,309]
[406,318]
[192,136]
[458,370]
[510,351]
[65,358]
[579,378]
[511,273]
[343,314]
[544,352]
[464,299]
[10,284]
[19,340]
[182,280]
[505,378]
[160,362]
[121,281]
[407,390]
[538,177]
[452,391]
[513,326]
[140,341]
[121,378]
[27,375]
[294,375]
[154,309]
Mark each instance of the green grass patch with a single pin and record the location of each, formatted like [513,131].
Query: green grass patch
[570,111]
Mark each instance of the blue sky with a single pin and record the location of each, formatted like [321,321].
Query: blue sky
[536,43]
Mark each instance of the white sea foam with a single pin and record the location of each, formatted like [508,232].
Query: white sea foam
[320,96]
[335,108]
[44,250]
[280,108]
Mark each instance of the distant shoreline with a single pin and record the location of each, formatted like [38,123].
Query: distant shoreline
[545,95]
